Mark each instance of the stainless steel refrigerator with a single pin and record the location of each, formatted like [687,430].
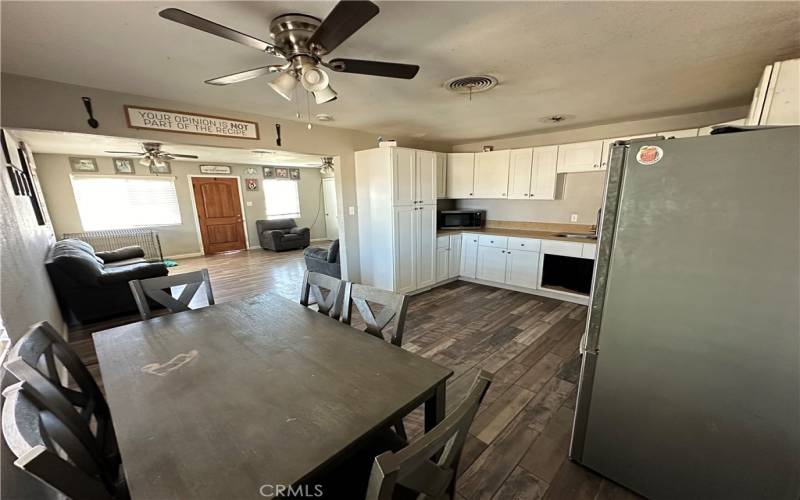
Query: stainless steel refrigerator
[690,386]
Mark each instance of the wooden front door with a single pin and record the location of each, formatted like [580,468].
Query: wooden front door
[220,214]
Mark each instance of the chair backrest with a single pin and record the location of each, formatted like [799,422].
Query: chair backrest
[279,224]
[51,452]
[428,466]
[393,307]
[158,289]
[326,291]
[72,411]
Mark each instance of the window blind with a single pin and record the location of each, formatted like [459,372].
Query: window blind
[282,199]
[125,202]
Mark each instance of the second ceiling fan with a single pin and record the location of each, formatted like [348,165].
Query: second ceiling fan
[302,40]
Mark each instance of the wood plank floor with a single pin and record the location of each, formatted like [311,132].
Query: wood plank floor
[517,448]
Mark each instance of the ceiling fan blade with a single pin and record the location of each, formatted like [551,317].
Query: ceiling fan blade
[136,153]
[375,68]
[197,22]
[182,156]
[346,18]
[245,75]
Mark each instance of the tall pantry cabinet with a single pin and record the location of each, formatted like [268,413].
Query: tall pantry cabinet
[396,189]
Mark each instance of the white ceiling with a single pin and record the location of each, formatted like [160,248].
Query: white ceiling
[98,145]
[600,61]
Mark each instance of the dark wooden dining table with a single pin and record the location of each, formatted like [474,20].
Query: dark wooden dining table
[220,401]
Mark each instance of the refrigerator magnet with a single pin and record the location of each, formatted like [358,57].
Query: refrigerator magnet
[649,155]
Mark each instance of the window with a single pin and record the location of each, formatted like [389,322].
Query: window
[124,202]
[282,199]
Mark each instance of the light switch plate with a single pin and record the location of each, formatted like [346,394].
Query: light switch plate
[351,210]
[249,204]
[573,218]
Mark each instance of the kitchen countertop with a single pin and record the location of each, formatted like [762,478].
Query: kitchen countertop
[518,233]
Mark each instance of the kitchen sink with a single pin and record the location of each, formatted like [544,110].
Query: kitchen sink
[586,236]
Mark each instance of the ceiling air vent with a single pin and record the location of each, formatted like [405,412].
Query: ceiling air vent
[471,84]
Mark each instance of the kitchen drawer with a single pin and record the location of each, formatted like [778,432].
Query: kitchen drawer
[487,240]
[589,251]
[443,242]
[565,248]
[529,244]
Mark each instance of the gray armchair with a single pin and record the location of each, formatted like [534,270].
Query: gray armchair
[325,261]
[282,234]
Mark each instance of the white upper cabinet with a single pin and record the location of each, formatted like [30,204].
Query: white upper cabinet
[441,175]
[491,174]
[579,157]
[607,143]
[426,184]
[404,176]
[679,134]
[543,173]
[460,175]
[782,100]
[519,174]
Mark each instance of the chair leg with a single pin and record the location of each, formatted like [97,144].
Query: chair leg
[400,429]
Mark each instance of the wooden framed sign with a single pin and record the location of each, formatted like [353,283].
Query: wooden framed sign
[189,123]
[215,169]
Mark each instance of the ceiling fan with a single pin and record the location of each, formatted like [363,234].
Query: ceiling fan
[302,40]
[152,155]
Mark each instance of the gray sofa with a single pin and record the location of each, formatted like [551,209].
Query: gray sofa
[282,234]
[92,286]
[325,261]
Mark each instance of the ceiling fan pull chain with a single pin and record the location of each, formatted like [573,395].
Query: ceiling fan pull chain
[297,103]
[308,110]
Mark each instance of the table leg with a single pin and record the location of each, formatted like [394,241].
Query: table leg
[435,407]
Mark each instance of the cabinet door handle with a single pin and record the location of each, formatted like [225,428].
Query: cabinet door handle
[522,244]
[503,251]
[595,165]
[509,253]
[526,194]
[470,194]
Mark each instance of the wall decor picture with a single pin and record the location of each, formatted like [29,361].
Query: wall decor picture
[251,184]
[282,173]
[215,169]
[250,171]
[269,172]
[294,174]
[163,169]
[124,166]
[83,164]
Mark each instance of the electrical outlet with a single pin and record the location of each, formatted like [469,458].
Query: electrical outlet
[249,204]
[573,218]
[351,210]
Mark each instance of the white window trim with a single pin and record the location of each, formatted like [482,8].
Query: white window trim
[174,179]
[196,217]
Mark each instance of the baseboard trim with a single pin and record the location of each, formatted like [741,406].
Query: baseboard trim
[544,293]
[184,255]
[312,240]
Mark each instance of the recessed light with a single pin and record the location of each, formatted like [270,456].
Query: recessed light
[324,117]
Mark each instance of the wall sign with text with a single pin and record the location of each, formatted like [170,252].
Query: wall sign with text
[189,123]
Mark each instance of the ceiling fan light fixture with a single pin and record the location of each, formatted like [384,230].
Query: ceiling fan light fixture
[284,85]
[145,162]
[159,163]
[325,95]
[313,78]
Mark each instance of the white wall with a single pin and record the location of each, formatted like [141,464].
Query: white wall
[54,172]
[582,193]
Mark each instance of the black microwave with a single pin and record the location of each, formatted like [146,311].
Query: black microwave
[460,219]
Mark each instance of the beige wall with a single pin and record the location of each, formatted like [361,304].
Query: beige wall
[26,297]
[32,103]
[54,173]
[580,193]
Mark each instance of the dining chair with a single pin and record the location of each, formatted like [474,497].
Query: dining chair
[159,290]
[428,466]
[392,307]
[326,291]
[71,410]
[46,446]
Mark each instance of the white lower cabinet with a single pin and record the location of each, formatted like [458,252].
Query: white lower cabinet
[455,256]
[469,255]
[442,263]
[405,276]
[491,264]
[448,257]
[522,268]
